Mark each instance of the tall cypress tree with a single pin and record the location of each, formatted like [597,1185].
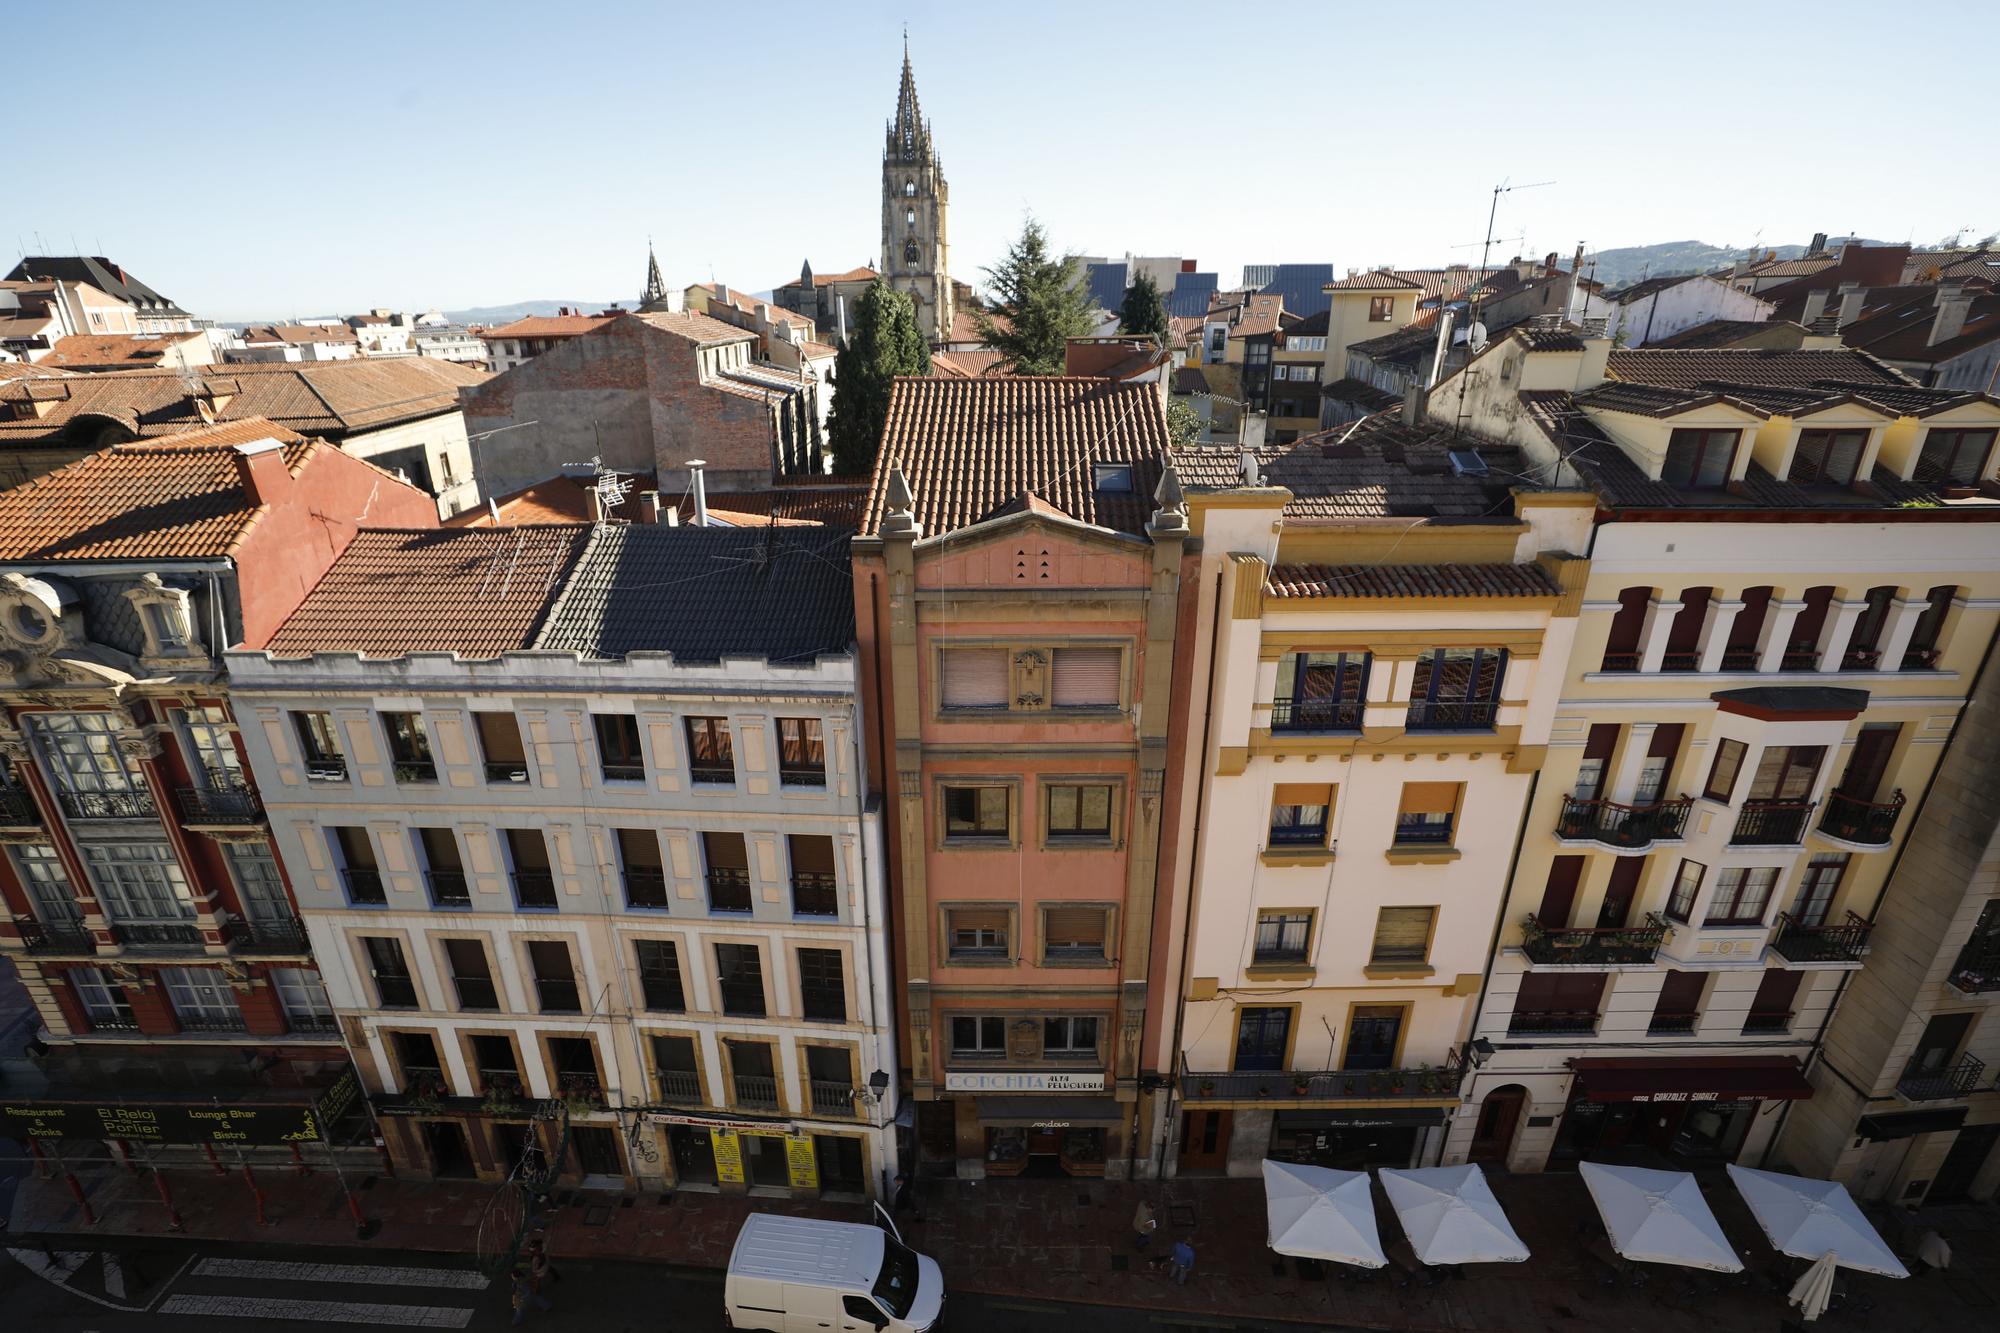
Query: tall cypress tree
[883,343]
[1144,312]
[1038,305]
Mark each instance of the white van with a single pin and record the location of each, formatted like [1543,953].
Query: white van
[802,1275]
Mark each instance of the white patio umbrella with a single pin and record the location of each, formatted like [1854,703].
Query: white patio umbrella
[1451,1217]
[1814,1289]
[1809,1218]
[1659,1217]
[1318,1213]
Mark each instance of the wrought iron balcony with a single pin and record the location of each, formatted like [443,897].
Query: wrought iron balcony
[1452,715]
[284,935]
[1739,659]
[501,1089]
[1298,835]
[477,993]
[802,775]
[220,805]
[558,995]
[646,886]
[815,893]
[1617,825]
[424,1083]
[755,1091]
[1310,715]
[1771,1022]
[1435,834]
[1957,1079]
[1673,661]
[1619,662]
[833,1097]
[1553,1022]
[1977,971]
[18,809]
[1871,823]
[680,1085]
[39,936]
[506,770]
[580,1089]
[364,886]
[312,1025]
[86,806]
[448,888]
[617,772]
[173,936]
[415,770]
[728,890]
[535,888]
[1321,1085]
[713,773]
[209,1022]
[1672,1025]
[1593,946]
[326,768]
[1771,824]
[1844,942]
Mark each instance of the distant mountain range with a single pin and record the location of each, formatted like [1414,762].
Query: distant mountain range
[1628,264]
[501,314]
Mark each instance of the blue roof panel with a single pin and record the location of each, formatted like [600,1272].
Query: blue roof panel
[1191,294]
[1300,285]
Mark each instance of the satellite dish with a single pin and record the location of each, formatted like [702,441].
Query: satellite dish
[1476,335]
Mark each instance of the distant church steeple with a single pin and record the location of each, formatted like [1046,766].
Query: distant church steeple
[656,297]
[915,205]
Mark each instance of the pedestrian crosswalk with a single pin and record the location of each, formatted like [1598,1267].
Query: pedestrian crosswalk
[368,1275]
[271,1309]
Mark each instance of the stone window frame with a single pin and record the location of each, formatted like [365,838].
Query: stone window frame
[941,838]
[1110,912]
[1012,910]
[1113,841]
[1028,678]
[173,605]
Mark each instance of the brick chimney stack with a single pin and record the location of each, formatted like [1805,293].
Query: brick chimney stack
[260,467]
[1954,304]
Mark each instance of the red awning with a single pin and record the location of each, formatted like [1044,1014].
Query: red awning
[1671,1079]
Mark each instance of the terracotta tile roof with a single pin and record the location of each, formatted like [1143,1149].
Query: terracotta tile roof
[1378,281]
[1361,393]
[1902,332]
[707,593]
[1661,400]
[297,334]
[1719,333]
[177,498]
[1446,283]
[1794,268]
[965,329]
[109,351]
[1410,338]
[968,447]
[1411,581]
[702,330]
[479,592]
[1189,379]
[969,365]
[329,398]
[1546,338]
[1260,317]
[565,499]
[28,370]
[561,499]
[1749,365]
[863,274]
[550,326]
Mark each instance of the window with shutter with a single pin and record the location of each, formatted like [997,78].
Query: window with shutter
[976,932]
[1402,935]
[975,678]
[1086,677]
[1079,811]
[1828,457]
[1073,934]
[1426,812]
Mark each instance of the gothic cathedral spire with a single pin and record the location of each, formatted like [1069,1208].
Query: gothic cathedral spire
[655,296]
[915,203]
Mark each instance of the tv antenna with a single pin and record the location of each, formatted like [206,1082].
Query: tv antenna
[1486,252]
[611,486]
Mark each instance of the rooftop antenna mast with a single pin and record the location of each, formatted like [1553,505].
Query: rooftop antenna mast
[611,486]
[1486,252]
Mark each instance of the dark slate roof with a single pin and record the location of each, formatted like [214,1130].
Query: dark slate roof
[1719,333]
[1190,379]
[1303,286]
[1646,287]
[1106,284]
[1360,393]
[100,273]
[1373,468]
[1659,400]
[1312,326]
[1411,581]
[1749,365]
[1191,293]
[1796,698]
[707,593]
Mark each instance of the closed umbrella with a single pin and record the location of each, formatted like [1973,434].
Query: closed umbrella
[1318,1213]
[1808,1219]
[1814,1288]
[1451,1217]
[1659,1217]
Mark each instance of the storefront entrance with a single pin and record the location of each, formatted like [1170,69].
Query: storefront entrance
[1351,1140]
[1643,1111]
[840,1164]
[597,1156]
[1962,1163]
[1499,1116]
[694,1155]
[451,1156]
[764,1161]
[1204,1140]
[1049,1136]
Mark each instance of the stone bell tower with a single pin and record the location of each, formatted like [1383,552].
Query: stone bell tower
[915,204]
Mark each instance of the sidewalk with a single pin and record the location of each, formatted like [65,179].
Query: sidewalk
[1070,1240]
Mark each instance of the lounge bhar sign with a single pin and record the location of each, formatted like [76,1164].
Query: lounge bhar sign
[264,1125]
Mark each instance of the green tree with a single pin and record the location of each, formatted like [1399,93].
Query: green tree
[1144,312]
[1183,422]
[1038,305]
[883,343]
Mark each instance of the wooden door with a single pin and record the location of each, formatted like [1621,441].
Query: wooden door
[1372,1030]
[1499,1117]
[1559,894]
[1616,910]
[1869,761]
[1204,1140]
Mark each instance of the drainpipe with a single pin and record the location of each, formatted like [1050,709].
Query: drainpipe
[875,959]
[1499,924]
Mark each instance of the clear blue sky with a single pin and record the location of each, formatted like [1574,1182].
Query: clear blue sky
[276,159]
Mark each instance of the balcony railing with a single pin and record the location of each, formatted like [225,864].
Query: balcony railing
[1452,715]
[1434,834]
[395,992]
[1773,1022]
[448,888]
[1316,715]
[1553,1022]
[172,935]
[1953,1080]
[728,890]
[802,775]
[1977,971]
[476,993]
[757,1092]
[1679,661]
[17,808]
[416,770]
[1298,835]
[501,1088]
[1596,946]
[209,1022]
[833,1097]
[278,935]
[1771,823]
[680,1085]
[1617,825]
[84,806]
[1799,658]
[580,1089]
[535,888]
[1619,662]
[815,893]
[711,773]
[1739,659]
[1324,1085]
[1672,1025]
[220,805]
[617,772]
[331,768]
[558,995]
[424,1083]
[54,936]
[315,1025]
[646,886]
[364,886]
[1844,942]
[1852,819]
[506,770]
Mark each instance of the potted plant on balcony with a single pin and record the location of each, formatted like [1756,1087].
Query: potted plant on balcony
[1397,1079]
[1301,1085]
[1206,1087]
[502,1097]
[425,1094]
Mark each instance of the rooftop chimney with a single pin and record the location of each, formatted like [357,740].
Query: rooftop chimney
[649,507]
[1954,303]
[260,467]
[593,500]
[695,465]
[1413,406]
[1851,300]
[1815,306]
[722,292]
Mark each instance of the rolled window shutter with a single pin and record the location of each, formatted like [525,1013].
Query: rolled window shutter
[1075,925]
[1302,793]
[1430,798]
[812,853]
[1403,932]
[975,678]
[978,919]
[1086,677]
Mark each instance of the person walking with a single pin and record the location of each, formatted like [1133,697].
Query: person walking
[540,1271]
[1144,1224]
[523,1291]
[906,1196]
[1183,1260]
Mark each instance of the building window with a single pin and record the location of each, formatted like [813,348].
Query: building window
[678,1068]
[1923,652]
[726,857]
[1700,460]
[1621,643]
[1828,457]
[822,986]
[1320,692]
[619,756]
[409,747]
[1426,813]
[1284,935]
[711,752]
[104,1003]
[1822,880]
[1301,813]
[1786,773]
[978,1036]
[143,891]
[1687,884]
[1954,457]
[1078,811]
[40,868]
[471,974]
[801,752]
[1723,772]
[660,976]
[82,749]
[1741,896]
[1085,677]
[973,677]
[1381,309]
[211,747]
[1457,689]
[303,997]
[1402,935]
[500,747]
[975,813]
[978,934]
[739,971]
[1111,478]
[645,876]
[1073,934]
[1771,1006]
[528,865]
[319,743]
[555,977]
[201,999]
[1069,1037]
[444,873]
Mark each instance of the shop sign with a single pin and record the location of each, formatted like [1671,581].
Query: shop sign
[1677,1097]
[721,1123]
[1050,1124]
[270,1125]
[998,1080]
[728,1156]
[801,1163]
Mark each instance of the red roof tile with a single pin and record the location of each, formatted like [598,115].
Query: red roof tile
[550,326]
[1375,282]
[1411,581]
[110,351]
[1684,369]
